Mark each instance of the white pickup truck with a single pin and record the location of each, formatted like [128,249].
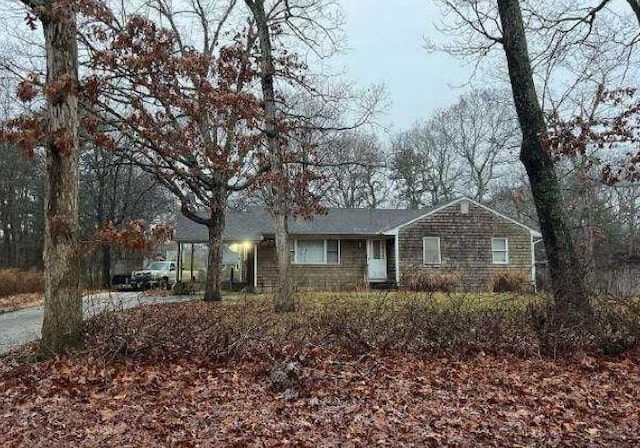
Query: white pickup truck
[155,274]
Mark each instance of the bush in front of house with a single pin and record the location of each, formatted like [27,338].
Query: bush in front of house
[427,281]
[18,281]
[183,288]
[510,280]
[362,325]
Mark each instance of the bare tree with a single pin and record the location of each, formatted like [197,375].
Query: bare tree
[504,27]
[566,271]
[280,208]
[354,166]
[282,27]
[424,167]
[113,189]
[482,129]
[21,195]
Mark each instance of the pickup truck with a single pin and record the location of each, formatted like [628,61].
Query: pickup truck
[156,274]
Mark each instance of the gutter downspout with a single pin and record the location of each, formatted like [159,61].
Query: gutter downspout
[533,264]
[255,267]
[397,251]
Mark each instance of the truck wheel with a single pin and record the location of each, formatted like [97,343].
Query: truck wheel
[165,283]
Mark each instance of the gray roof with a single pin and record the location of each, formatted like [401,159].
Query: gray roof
[254,223]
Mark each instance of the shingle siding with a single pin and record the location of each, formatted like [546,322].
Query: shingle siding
[349,274]
[465,243]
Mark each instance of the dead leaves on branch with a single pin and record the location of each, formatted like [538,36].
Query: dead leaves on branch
[136,236]
[606,136]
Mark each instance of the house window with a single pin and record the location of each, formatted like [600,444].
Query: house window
[431,250]
[333,252]
[500,250]
[316,252]
[377,249]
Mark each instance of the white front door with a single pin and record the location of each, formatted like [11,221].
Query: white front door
[377,260]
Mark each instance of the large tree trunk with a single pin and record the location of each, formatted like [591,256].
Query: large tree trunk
[61,328]
[213,288]
[566,272]
[284,298]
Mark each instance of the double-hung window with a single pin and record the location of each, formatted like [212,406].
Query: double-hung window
[500,250]
[315,252]
[431,250]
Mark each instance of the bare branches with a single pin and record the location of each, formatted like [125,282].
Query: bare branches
[572,45]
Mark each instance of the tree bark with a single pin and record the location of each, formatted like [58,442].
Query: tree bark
[215,225]
[566,271]
[213,288]
[284,297]
[61,328]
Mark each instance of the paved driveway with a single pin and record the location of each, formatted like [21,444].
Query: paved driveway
[20,327]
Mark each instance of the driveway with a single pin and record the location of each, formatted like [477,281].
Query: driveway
[19,327]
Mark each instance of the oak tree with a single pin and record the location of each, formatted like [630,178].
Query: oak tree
[56,128]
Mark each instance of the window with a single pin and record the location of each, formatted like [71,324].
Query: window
[431,250]
[500,250]
[316,252]
[377,249]
[333,252]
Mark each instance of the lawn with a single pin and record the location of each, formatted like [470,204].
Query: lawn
[344,370]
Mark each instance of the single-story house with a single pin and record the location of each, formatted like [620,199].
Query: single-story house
[349,248]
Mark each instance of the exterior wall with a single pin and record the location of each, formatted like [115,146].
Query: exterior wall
[465,245]
[391,259]
[349,274]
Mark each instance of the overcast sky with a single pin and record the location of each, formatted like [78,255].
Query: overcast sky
[386,45]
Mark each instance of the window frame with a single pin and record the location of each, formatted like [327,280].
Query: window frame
[424,251]
[505,251]
[325,261]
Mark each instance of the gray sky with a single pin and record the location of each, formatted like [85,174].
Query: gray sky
[386,45]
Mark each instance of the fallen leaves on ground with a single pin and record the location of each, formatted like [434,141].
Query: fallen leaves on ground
[20,301]
[337,373]
[372,401]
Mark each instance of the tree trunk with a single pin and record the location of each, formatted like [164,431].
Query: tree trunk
[213,288]
[566,272]
[105,262]
[284,298]
[61,328]
[635,6]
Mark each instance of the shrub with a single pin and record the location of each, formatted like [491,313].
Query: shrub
[356,326]
[183,288]
[509,280]
[17,281]
[426,281]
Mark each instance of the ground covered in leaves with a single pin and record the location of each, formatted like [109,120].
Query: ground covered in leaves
[123,391]
[20,301]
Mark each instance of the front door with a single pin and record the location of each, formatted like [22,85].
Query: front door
[377,260]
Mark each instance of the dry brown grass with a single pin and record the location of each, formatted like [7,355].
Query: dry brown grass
[17,281]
